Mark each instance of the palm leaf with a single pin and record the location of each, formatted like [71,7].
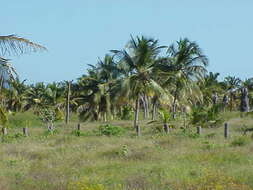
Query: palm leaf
[13,44]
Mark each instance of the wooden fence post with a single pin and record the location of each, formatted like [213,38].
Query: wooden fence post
[25,131]
[166,128]
[138,130]
[226,131]
[78,129]
[4,131]
[199,130]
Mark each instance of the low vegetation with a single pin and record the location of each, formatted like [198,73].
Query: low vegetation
[128,123]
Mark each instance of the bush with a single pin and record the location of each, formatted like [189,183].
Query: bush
[51,132]
[127,113]
[82,134]
[240,141]
[110,130]
[84,184]
[11,137]
[212,180]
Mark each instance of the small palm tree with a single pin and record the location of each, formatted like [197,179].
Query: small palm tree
[165,117]
[139,60]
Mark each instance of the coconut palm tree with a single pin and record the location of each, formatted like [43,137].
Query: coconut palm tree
[13,45]
[139,59]
[185,65]
[231,86]
[97,88]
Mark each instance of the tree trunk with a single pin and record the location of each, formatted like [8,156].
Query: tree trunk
[67,104]
[147,106]
[4,131]
[214,98]
[136,113]
[154,110]
[225,101]
[166,128]
[231,101]
[142,98]
[25,131]
[244,107]
[174,108]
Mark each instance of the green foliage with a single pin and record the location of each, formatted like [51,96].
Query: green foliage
[11,137]
[24,119]
[85,184]
[210,135]
[47,115]
[240,141]
[51,132]
[83,134]
[188,133]
[206,117]
[127,113]
[3,117]
[124,151]
[164,115]
[110,130]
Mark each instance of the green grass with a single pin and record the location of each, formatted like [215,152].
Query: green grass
[179,160]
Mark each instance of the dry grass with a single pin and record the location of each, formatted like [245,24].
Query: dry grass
[154,161]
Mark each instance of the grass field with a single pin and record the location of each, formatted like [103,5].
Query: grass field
[154,161]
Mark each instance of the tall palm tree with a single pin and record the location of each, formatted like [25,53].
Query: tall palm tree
[184,67]
[139,59]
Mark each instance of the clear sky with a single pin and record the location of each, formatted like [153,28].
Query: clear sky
[77,32]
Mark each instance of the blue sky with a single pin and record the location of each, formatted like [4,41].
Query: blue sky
[77,32]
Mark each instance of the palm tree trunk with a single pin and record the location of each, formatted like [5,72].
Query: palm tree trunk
[67,104]
[174,108]
[231,101]
[147,105]
[142,98]
[154,110]
[244,107]
[136,113]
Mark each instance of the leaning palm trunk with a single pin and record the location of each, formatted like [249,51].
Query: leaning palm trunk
[147,106]
[174,108]
[244,107]
[136,115]
[154,111]
[144,107]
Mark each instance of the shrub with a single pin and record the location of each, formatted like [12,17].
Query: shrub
[210,135]
[127,113]
[85,184]
[82,134]
[110,130]
[240,141]
[189,133]
[11,137]
[51,132]
[212,180]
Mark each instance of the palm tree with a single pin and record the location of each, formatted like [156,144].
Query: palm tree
[231,85]
[16,95]
[185,65]
[13,45]
[139,59]
[98,91]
